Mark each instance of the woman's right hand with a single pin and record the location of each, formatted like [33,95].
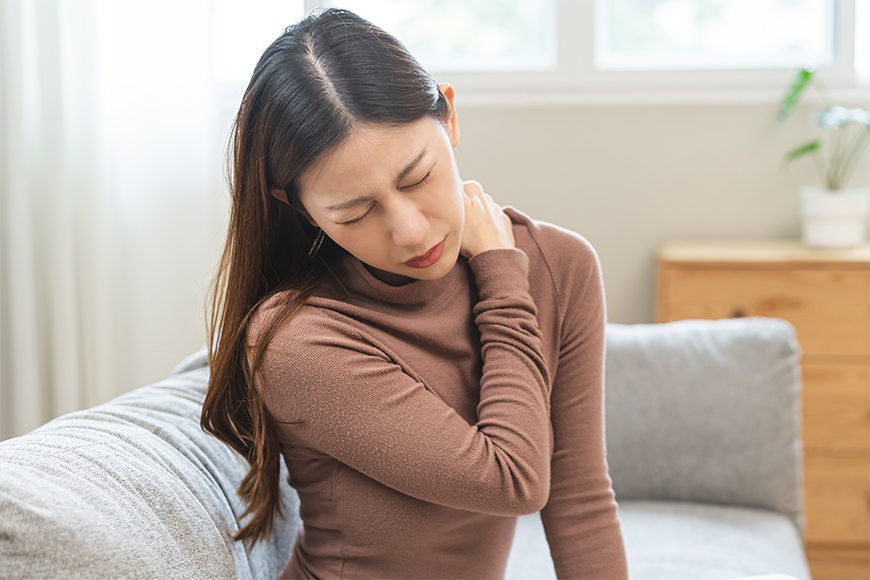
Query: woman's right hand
[487,226]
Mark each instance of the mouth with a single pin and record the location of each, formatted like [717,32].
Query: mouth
[429,258]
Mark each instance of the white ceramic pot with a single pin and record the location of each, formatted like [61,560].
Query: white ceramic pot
[834,218]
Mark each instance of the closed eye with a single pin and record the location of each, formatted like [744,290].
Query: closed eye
[360,218]
[417,185]
[411,187]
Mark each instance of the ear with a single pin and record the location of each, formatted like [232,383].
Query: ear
[306,215]
[451,125]
[280,195]
[304,212]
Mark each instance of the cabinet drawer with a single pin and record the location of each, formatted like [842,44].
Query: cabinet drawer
[829,308]
[838,563]
[837,499]
[836,403]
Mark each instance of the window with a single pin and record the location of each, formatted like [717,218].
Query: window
[459,35]
[600,51]
[713,34]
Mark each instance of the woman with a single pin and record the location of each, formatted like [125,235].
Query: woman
[429,365]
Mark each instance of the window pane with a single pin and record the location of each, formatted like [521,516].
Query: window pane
[243,30]
[675,34]
[468,35]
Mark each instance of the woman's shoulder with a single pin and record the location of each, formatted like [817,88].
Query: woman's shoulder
[304,328]
[563,265]
[564,253]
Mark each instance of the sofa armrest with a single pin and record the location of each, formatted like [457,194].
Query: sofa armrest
[197,360]
[706,411]
[132,489]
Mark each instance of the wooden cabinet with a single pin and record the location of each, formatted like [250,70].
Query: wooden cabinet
[825,294]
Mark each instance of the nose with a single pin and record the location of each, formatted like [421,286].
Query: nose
[408,224]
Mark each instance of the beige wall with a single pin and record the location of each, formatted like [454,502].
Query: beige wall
[628,177]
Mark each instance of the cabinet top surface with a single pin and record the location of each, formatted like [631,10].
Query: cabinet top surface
[758,251]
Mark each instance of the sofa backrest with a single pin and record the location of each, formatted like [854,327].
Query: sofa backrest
[706,411]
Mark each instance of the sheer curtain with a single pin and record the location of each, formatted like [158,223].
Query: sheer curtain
[112,197]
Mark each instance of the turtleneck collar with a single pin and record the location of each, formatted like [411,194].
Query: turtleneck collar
[349,275]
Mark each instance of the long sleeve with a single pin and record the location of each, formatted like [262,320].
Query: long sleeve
[364,409]
[580,518]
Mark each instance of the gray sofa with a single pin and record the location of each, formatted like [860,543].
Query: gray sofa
[703,437]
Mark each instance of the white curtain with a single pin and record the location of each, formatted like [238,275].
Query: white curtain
[112,197]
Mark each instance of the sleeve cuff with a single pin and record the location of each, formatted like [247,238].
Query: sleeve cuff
[500,272]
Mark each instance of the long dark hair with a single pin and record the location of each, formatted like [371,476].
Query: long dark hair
[316,82]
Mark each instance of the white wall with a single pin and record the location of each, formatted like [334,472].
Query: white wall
[625,177]
[629,177]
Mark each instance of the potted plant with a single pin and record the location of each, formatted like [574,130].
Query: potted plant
[833,215]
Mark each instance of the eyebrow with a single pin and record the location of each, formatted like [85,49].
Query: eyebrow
[361,200]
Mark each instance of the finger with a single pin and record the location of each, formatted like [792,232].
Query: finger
[472,187]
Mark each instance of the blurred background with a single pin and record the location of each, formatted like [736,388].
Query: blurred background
[629,121]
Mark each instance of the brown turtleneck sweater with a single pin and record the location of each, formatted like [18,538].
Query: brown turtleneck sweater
[436,412]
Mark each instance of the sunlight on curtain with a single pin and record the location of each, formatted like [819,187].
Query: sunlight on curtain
[112,197]
[862,40]
[55,347]
[166,177]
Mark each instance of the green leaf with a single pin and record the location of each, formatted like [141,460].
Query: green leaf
[803,150]
[803,78]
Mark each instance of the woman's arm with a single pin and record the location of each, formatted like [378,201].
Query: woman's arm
[361,408]
[580,518]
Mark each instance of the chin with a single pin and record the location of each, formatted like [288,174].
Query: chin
[440,268]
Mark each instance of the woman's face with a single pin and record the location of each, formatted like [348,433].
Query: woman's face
[392,197]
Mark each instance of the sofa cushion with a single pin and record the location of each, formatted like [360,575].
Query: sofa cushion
[130,489]
[706,411]
[666,540]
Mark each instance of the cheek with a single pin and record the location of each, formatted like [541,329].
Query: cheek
[360,243]
[459,200]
